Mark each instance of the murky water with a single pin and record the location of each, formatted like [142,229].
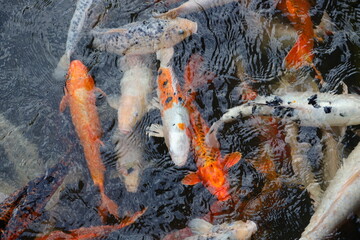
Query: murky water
[238,45]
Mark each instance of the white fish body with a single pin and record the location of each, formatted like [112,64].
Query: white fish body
[136,87]
[143,37]
[340,199]
[238,230]
[194,6]
[311,109]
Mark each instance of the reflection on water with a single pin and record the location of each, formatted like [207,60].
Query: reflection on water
[241,46]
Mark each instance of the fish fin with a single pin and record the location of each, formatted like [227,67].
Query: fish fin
[113,101]
[61,68]
[154,104]
[64,101]
[100,91]
[155,130]
[231,159]
[210,138]
[199,226]
[300,54]
[116,30]
[191,179]
[108,206]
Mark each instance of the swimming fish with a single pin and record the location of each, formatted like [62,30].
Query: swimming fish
[143,37]
[310,108]
[98,232]
[340,199]
[136,88]
[212,167]
[174,115]
[193,6]
[238,230]
[78,24]
[80,96]
[298,12]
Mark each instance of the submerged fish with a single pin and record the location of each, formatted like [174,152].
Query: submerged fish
[78,25]
[174,115]
[143,37]
[212,167]
[193,6]
[340,199]
[136,88]
[80,96]
[237,230]
[95,232]
[301,54]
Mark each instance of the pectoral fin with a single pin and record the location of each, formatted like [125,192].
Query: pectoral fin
[155,130]
[191,179]
[113,101]
[64,101]
[231,159]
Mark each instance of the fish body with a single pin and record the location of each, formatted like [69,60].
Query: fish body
[80,96]
[174,115]
[143,37]
[76,29]
[136,87]
[237,230]
[194,6]
[212,167]
[340,199]
[311,109]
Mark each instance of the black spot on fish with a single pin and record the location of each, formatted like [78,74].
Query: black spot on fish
[289,102]
[276,102]
[169,99]
[342,115]
[283,112]
[180,99]
[253,109]
[327,109]
[312,101]
[130,170]
[160,72]
[165,82]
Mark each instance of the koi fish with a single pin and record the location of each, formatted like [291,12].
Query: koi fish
[298,12]
[80,96]
[92,232]
[311,109]
[237,230]
[174,115]
[136,87]
[193,6]
[143,37]
[340,199]
[212,167]
[78,24]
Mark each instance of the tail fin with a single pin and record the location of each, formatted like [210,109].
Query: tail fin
[62,67]
[108,206]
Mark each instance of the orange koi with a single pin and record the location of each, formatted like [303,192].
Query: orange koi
[212,167]
[92,232]
[80,96]
[298,12]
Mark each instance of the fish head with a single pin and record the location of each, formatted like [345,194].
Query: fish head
[131,177]
[176,31]
[131,110]
[78,77]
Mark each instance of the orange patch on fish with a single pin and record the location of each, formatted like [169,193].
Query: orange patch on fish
[169,94]
[181,126]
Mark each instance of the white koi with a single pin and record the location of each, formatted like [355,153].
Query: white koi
[193,6]
[340,199]
[143,37]
[238,230]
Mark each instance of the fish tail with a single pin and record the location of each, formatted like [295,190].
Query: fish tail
[108,206]
[301,53]
[62,67]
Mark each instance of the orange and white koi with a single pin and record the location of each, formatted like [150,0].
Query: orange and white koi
[174,115]
[301,54]
[212,167]
[80,96]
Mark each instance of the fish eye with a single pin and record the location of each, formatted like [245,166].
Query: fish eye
[181,32]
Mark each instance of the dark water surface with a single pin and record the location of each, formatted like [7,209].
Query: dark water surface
[34,135]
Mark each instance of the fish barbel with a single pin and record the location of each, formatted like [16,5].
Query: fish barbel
[143,37]
[80,96]
[340,199]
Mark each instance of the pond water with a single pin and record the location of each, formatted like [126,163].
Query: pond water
[238,45]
